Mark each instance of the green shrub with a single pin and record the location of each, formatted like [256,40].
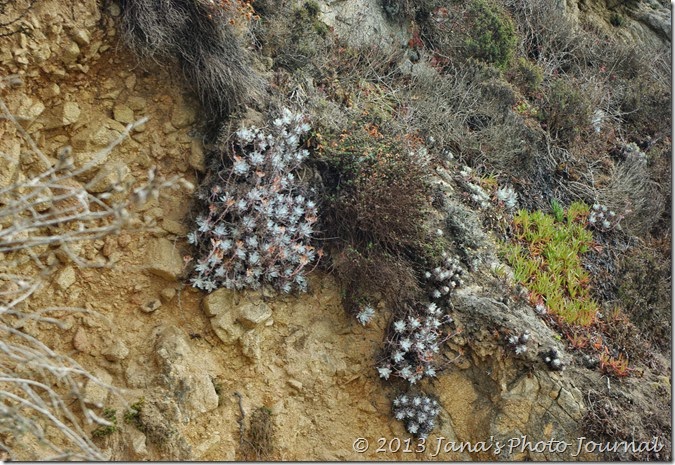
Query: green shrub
[645,102]
[133,415]
[479,30]
[617,20]
[377,189]
[527,76]
[375,209]
[492,37]
[106,430]
[294,37]
[308,14]
[566,110]
[645,292]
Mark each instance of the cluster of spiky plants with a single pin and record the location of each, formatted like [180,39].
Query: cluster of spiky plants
[602,218]
[365,314]
[519,343]
[445,278]
[259,220]
[414,342]
[507,196]
[552,359]
[418,412]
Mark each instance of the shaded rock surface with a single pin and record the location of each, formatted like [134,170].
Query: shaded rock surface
[190,385]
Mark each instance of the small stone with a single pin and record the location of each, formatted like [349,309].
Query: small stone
[98,134]
[183,115]
[137,374]
[70,52]
[295,384]
[110,175]
[29,109]
[116,352]
[94,393]
[167,294]
[130,82]
[123,240]
[164,260]
[52,259]
[366,406]
[196,158]
[114,10]
[151,306]
[51,90]
[136,103]
[115,257]
[10,160]
[226,328]
[108,246]
[71,113]
[65,278]
[219,301]
[250,345]
[123,114]
[81,37]
[81,340]
[174,227]
[64,252]
[43,202]
[137,443]
[251,314]
[61,115]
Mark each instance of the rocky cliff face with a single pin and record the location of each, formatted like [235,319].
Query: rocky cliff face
[203,364]
[646,22]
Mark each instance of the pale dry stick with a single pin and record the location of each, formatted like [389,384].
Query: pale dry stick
[35,380]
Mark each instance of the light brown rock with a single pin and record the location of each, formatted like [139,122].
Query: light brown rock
[29,108]
[163,259]
[193,387]
[183,115]
[174,227]
[70,53]
[251,314]
[94,392]
[136,103]
[123,114]
[71,113]
[226,328]
[151,306]
[196,158]
[220,301]
[110,175]
[167,294]
[65,278]
[9,161]
[116,352]
[251,345]
[136,443]
[61,115]
[81,340]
